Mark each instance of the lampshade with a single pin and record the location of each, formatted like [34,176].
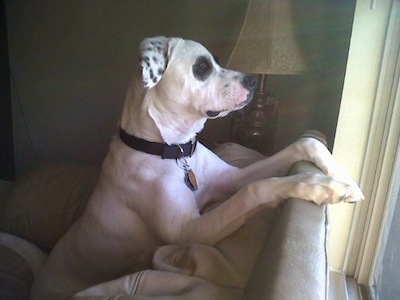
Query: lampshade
[266,43]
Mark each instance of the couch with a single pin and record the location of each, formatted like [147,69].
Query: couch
[45,201]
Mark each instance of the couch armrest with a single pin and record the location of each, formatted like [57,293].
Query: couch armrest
[20,261]
[293,263]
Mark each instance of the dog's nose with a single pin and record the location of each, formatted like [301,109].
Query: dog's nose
[249,82]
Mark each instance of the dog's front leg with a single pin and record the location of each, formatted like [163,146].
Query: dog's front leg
[307,149]
[226,218]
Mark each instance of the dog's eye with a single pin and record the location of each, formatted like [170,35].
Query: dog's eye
[202,68]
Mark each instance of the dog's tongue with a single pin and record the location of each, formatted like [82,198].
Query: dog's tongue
[213,114]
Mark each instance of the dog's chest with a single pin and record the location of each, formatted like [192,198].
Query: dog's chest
[143,174]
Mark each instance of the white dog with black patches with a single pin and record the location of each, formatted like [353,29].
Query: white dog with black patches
[156,179]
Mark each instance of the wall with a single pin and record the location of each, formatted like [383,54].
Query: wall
[7,168]
[71,62]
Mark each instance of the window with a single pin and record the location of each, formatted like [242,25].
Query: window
[387,271]
[374,236]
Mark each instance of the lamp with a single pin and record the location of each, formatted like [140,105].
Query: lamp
[265,45]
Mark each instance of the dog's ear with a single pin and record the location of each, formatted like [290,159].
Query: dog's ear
[155,54]
[153,59]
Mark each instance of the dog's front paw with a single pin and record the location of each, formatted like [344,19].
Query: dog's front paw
[353,194]
[322,189]
[348,193]
[312,146]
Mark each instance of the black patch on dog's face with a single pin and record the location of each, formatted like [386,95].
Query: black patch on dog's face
[202,68]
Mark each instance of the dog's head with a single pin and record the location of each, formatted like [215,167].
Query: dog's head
[184,74]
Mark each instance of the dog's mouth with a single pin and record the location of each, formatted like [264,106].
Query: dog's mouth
[214,113]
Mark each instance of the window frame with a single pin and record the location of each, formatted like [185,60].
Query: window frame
[377,175]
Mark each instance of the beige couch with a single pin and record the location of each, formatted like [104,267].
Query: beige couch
[292,265]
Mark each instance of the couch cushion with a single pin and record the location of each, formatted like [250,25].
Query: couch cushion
[237,155]
[44,202]
[16,276]
[20,262]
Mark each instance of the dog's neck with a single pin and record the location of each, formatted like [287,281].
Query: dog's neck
[152,121]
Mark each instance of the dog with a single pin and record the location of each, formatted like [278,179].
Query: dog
[157,180]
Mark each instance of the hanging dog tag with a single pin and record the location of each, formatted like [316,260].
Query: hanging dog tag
[190,180]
